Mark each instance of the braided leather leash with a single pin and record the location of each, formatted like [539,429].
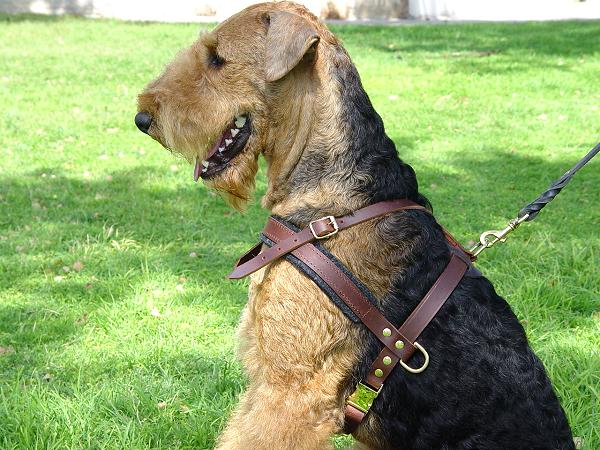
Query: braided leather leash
[530,211]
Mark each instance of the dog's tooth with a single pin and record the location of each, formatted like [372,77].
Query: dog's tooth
[221,149]
[234,132]
[204,170]
[205,164]
[240,121]
[228,141]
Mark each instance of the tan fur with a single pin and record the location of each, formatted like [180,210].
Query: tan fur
[296,346]
[296,365]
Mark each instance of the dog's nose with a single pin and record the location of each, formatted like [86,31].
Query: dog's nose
[143,120]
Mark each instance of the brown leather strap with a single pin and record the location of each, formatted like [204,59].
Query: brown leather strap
[399,344]
[353,417]
[412,327]
[457,245]
[318,229]
[250,254]
[345,288]
[384,330]
[435,298]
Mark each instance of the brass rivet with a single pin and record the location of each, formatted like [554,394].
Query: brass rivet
[387,360]
[378,373]
[387,332]
[399,344]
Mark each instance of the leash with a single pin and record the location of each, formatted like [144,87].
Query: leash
[530,211]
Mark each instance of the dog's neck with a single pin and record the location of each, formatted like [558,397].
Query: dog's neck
[328,152]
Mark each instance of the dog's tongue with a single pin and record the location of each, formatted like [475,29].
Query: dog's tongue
[197,170]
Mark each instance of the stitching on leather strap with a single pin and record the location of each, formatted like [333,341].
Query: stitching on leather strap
[332,281]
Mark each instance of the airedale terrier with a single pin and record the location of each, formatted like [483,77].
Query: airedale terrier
[273,80]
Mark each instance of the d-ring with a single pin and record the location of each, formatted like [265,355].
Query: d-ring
[425,364]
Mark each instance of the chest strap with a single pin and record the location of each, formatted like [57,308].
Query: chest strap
[399,343]
[361,400]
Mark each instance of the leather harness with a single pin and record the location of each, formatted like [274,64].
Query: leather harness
[399,344]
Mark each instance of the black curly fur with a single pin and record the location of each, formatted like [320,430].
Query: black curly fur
[484,387]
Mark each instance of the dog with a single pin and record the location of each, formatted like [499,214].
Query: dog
[272,80]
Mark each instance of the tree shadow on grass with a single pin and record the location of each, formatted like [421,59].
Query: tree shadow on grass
[53,217]
[72,208]
[483,192]
[573,38]
[131,236]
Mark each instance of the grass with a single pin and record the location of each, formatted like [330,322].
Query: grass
[116,323]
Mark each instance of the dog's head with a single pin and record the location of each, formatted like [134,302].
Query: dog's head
[213,104]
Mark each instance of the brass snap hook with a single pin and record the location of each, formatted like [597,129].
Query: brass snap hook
[490,238]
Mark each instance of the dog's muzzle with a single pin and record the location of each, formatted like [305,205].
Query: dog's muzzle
[143,120]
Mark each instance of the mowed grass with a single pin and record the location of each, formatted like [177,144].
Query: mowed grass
[116,322]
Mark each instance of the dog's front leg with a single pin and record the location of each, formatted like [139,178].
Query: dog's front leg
[273,418]
[298,349]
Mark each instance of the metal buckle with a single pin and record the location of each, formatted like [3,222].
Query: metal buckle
[363,397]
[331,221]
[425,363]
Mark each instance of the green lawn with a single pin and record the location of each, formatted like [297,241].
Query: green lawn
[116,323]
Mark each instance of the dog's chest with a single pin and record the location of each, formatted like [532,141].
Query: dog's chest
[291,326]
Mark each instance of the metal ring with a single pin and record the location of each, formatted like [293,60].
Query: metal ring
[425,364]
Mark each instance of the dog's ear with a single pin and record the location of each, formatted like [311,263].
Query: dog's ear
[289,38]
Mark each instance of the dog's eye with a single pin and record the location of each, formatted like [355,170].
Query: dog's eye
[214,60]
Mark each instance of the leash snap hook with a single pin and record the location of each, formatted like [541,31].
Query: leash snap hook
[490,238]
[425,363]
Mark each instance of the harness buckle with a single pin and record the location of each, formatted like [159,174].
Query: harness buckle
[363,397]
[331,223]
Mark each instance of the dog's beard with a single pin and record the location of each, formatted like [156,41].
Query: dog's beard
[230,172]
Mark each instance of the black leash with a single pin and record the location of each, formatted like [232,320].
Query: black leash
[533,209]
[530,211]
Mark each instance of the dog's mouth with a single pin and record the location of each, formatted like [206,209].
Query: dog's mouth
[231,142]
